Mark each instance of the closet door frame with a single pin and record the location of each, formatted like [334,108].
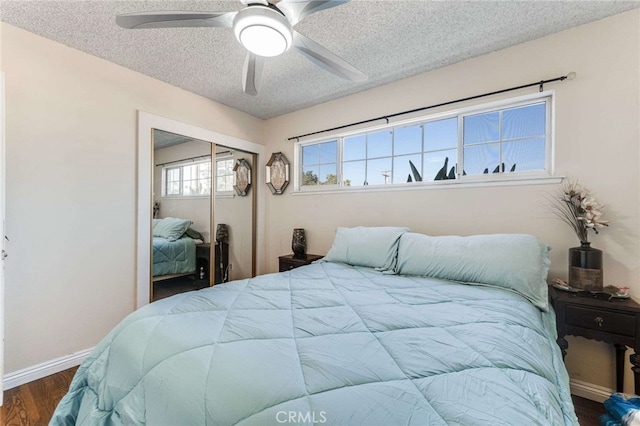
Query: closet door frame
[146,124]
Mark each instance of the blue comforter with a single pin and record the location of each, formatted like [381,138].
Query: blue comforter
[327,344]
[173,257]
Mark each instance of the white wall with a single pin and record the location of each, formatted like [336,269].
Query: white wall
[597,141]
[71,190]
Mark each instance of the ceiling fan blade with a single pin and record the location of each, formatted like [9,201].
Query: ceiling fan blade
[297,10]
[252,73]
[325,59]
[171,19]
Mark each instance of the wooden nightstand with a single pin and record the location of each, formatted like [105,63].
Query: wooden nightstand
[290,261]
[615,321]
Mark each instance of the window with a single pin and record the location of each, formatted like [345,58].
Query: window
[499,141]
[320,164]
[224,176]
[192,179]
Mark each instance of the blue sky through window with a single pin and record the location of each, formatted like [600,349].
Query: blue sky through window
[513,136]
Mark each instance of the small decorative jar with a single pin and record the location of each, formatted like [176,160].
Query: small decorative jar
[299,243]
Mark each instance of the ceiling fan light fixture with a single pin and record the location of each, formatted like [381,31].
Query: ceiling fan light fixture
[263,31]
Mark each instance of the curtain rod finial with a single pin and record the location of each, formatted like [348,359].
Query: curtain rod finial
[571,75]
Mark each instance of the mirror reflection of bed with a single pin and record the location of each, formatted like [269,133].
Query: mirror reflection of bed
[192,248]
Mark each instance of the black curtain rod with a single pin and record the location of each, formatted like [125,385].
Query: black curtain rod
[184,160]
[540,83]
[193,158]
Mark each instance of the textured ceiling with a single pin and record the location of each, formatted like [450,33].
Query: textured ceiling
[388,40]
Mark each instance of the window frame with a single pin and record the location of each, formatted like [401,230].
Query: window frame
[223,194]
[180,166]
[505,178]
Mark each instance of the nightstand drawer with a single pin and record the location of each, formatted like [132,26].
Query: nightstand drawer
[290,261]
[608,322]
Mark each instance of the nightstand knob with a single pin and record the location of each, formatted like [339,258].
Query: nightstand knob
[599,321]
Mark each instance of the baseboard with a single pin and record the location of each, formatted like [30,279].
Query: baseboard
[45,369]
[589,390]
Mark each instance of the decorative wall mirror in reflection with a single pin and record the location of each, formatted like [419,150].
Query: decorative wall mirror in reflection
[277,173]
[242,177]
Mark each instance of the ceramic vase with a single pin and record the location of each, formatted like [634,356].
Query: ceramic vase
[585,267]
[299,243]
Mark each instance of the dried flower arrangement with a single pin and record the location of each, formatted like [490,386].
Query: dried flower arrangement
[579,209]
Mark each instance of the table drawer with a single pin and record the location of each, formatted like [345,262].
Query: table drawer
[606,321]
[285,266]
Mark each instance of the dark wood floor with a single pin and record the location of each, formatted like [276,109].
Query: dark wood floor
[588,411]
[166,288]
[33,404]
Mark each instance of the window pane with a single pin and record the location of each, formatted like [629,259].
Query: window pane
[379,171]
[479,158]
[173,175]
[441,134]
[439,164]
[379,144]
[186,188]
[524,121]
[525,154]
[173,188]
[407,140]
[310,176]
[228,183]
[355,148]
[204,170]
[481,128]
[186,173]
[328,175]
[353,173]
[310,154]
[328,152]
[204,187]
[402,169]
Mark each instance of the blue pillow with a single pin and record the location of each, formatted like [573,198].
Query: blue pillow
[516,262]
[373,247]
[170,228]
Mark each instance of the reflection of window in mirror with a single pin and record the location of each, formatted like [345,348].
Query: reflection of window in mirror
[188,179]
[224,175]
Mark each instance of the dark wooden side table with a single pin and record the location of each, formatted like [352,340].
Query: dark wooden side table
[615,321]
[290,261]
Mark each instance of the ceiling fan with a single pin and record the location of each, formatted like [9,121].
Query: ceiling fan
[264,28]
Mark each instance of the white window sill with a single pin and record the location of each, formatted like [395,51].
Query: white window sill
[443,184]
[185,197]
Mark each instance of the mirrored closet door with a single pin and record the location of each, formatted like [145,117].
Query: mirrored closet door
[203,218]
[181,224]
[234,211]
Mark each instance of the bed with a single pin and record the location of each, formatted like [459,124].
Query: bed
[391,328]
[174,257]
[174,247]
